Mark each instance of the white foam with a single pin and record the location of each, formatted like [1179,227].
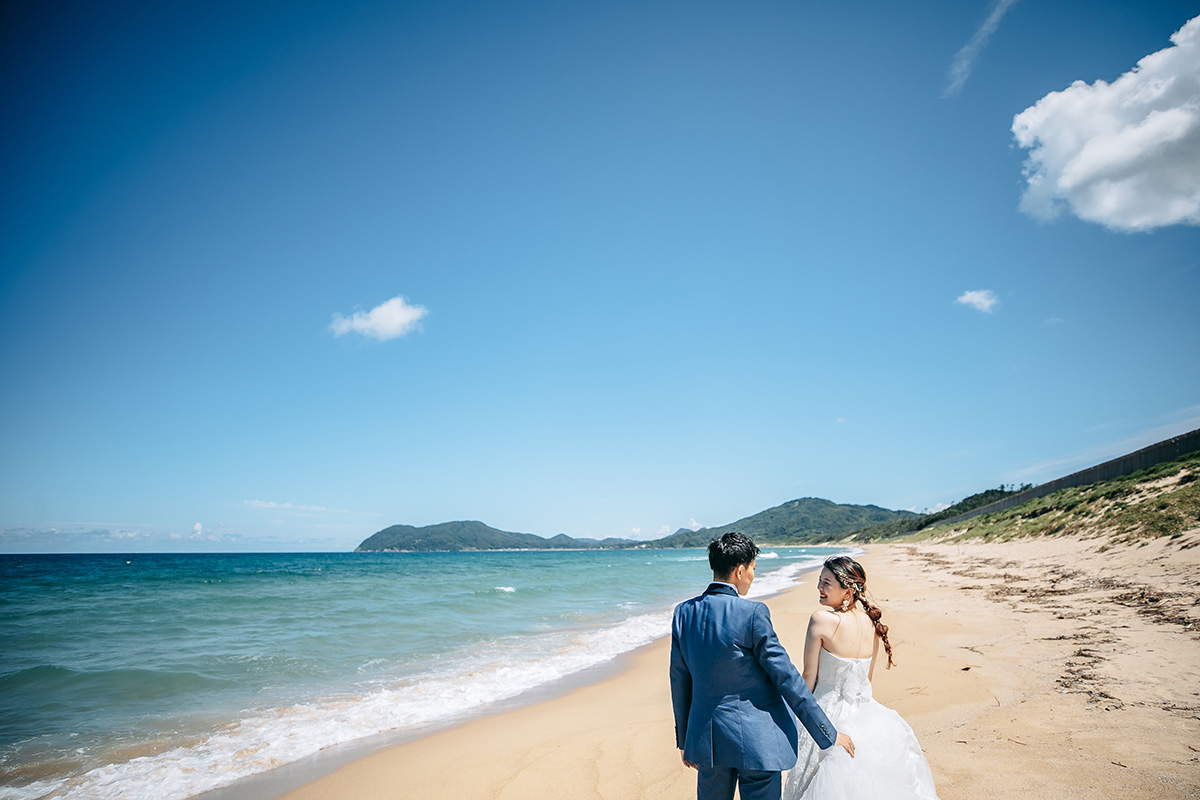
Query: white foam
[509,589]
[275,737]
[777,580]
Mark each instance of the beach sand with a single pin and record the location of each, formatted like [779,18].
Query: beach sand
[1028,669]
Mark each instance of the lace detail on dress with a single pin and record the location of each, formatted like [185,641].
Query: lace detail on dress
[847,679]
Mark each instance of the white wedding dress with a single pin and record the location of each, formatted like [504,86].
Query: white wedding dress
[887,764]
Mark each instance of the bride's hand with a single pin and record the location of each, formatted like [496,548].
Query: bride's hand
[846,743]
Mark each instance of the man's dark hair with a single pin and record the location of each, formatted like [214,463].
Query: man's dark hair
[732,549]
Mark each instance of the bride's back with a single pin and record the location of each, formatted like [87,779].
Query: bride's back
[853,636]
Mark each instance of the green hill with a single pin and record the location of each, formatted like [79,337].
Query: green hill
[809,520]
[1160,500]
[472,535]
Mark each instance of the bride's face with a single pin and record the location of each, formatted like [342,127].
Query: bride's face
[830,591]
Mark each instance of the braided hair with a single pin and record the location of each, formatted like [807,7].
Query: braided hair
[850,575]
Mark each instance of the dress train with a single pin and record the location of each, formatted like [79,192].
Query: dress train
[888,762]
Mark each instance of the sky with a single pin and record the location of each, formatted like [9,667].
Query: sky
[275,276]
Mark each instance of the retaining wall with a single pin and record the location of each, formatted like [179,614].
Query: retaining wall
[1167,450]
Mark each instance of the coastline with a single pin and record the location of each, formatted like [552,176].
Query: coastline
[295,776]
[1021,666]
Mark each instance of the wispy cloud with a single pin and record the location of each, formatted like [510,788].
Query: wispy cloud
[933,509]
[1181,421]
[665,530]
[291,507]
[980,299]
[964,59]
[114,540]
[694,525]
[1053,321]
[389,320]
[1121,154]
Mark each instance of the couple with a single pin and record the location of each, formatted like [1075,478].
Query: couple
[732,684]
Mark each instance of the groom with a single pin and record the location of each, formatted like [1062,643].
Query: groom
[732,683]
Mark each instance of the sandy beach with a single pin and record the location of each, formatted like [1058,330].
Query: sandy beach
[1037,668]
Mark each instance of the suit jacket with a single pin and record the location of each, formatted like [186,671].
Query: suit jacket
[732,684]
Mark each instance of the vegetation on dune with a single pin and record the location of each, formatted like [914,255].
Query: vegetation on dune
[1161,501]
[916,522]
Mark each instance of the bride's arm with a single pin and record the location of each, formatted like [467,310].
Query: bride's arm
[874,655]
[818,628]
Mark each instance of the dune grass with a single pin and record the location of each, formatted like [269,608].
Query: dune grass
[1161,501]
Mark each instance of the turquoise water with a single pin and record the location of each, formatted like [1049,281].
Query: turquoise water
[162,676]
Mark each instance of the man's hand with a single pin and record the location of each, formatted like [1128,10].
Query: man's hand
[846,743]
[687,763]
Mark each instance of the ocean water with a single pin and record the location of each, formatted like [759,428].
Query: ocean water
[163,676]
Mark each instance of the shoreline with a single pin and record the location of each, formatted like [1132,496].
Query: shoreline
[282,780]
[1022,667]
[290,777]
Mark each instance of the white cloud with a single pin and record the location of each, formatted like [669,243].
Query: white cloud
[636,532]
[1124,154]
[385,321]
[665,530]
[694,525]
[1053,321]
[980,299]
[840,420]
[964,59]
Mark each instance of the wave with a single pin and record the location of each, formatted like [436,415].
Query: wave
[769,583]
[455,688]
[116,685]
[445,688]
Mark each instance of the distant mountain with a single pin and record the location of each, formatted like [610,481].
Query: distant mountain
[805,521]
[472,535]
[808,520]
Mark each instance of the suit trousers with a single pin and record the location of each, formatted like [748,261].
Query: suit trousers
[716,783]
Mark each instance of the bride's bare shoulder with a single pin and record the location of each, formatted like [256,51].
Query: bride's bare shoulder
[822,619]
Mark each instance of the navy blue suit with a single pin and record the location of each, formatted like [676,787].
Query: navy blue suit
[731,686]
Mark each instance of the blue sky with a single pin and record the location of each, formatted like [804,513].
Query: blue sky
[275,276]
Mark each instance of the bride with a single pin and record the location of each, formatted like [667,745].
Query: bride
[839,659]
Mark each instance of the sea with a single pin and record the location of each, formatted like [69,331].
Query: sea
[163,676]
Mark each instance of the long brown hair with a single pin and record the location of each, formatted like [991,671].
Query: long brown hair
[850,575]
